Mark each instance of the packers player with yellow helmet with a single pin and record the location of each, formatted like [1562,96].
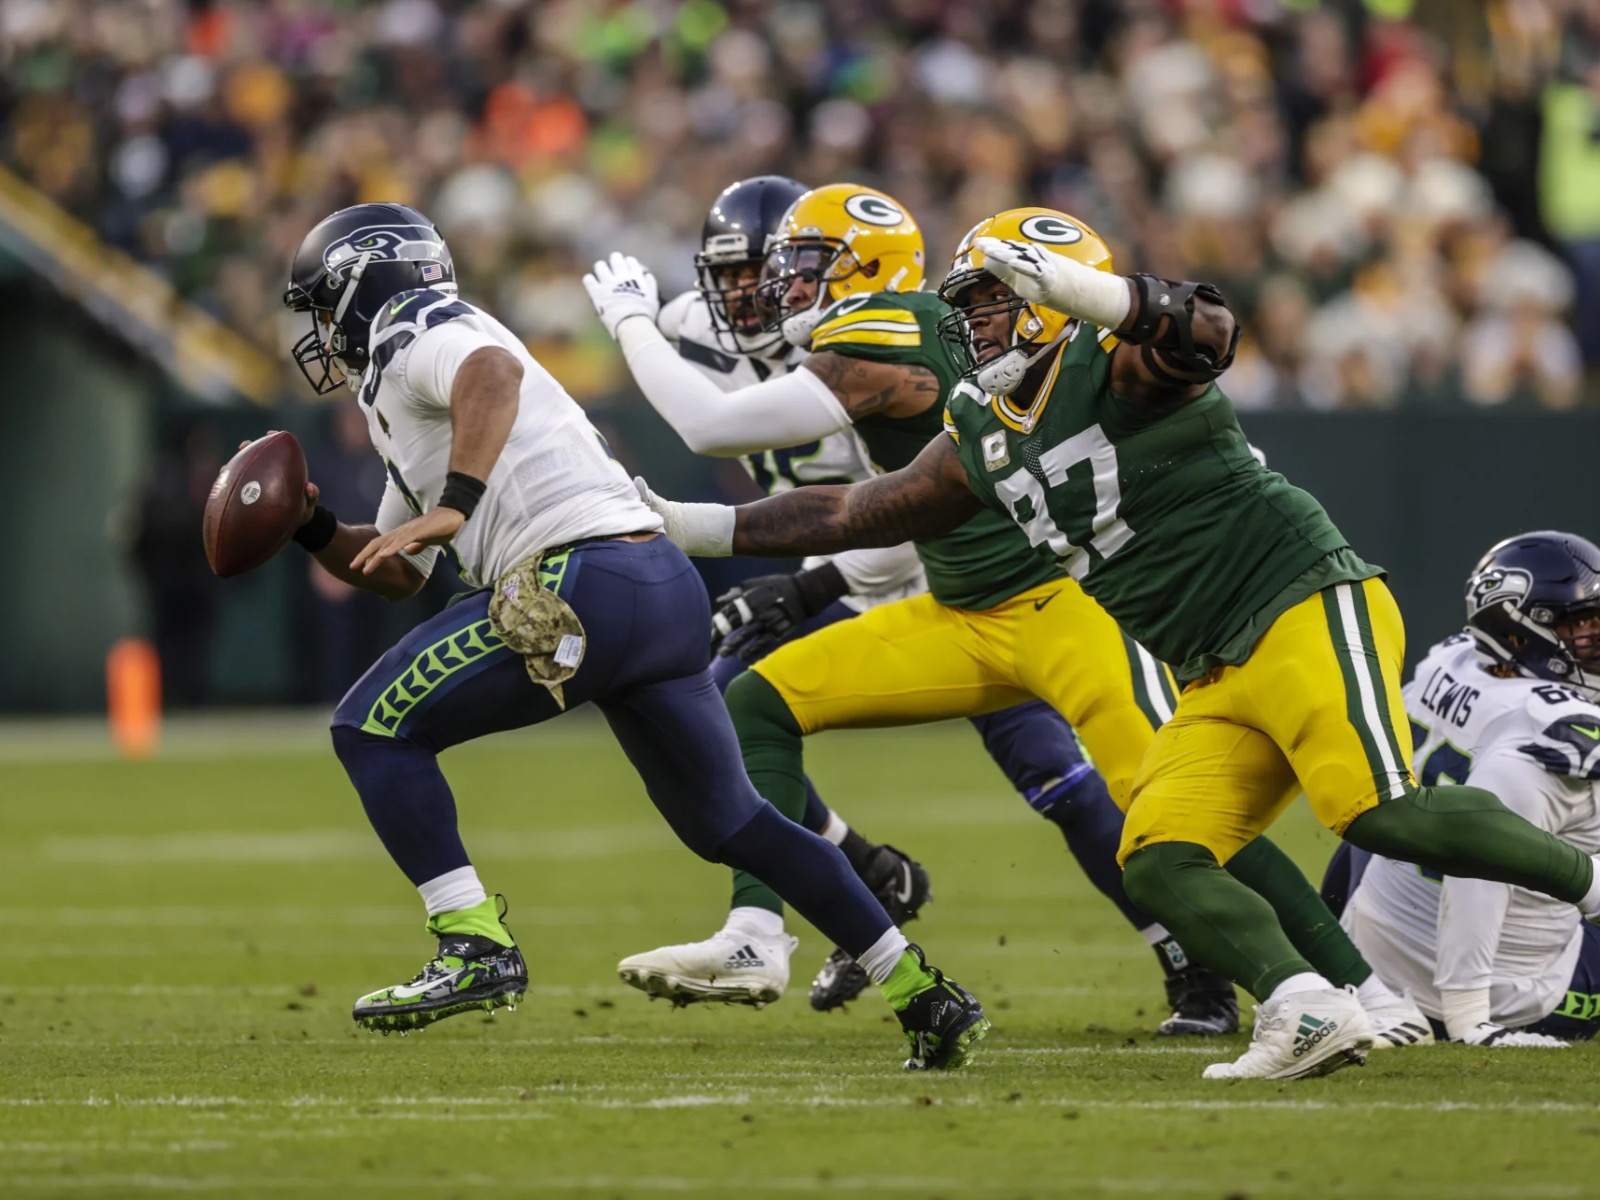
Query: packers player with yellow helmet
[842,277]
[1106,438]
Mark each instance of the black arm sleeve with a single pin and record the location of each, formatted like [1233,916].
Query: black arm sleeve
[1173,357]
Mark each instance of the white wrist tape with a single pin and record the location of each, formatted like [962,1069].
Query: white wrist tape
[1098,297]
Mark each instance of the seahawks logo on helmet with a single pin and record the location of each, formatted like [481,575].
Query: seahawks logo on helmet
[1052,231]
[384,243]
[1498,585]
[874,210]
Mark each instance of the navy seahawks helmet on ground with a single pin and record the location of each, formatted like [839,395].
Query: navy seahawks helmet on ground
[1533,604]
[346,269]
[734,240]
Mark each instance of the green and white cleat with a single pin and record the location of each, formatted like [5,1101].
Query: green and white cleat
[943,1022]
[468,973]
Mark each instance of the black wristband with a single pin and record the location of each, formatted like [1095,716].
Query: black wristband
[319,530]
[461,492]
[820,587]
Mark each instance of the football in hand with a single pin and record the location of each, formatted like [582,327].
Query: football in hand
[256,504]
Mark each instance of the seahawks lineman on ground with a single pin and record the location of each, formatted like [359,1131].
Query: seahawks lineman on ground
[716,328]
[1509,705]
[583,600]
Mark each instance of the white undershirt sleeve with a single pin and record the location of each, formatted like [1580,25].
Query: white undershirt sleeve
[875,572]
[1472,911]
[786,411]
[393,512]
[430,366]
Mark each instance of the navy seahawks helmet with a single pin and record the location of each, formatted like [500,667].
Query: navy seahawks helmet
[1533,605]
[346,269]
[733,241]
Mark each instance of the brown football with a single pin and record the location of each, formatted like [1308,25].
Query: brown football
[255,505]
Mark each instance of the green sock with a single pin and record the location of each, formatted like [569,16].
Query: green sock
[774,758]
[1218,920]
[1466,831]
[481,920]
[1310,925]
[908,980]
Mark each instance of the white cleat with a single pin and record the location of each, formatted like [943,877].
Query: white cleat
[1398,1023]
[1303,1035]
[730,966]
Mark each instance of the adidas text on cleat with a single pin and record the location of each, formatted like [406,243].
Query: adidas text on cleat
[840,981]
[943,1023]
[1397,1023]
[1302,1035]
[469,972]
[1203,1005]
[731,966]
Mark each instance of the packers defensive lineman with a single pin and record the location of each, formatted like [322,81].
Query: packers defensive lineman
[1091,417]
[719,346]
[842,278]
[1000,622]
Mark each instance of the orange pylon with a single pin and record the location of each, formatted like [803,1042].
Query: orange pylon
[133,696]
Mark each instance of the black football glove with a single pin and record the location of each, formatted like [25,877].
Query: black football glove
[754,617]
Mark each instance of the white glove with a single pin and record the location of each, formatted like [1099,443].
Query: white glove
[703,530]
[1064,285]
[621,287]
[1487,1033]
[1028,271]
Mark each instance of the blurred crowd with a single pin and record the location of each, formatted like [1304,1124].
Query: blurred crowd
[1401,197]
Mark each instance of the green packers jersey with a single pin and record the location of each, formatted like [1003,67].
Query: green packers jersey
[988,560]
[1164,517]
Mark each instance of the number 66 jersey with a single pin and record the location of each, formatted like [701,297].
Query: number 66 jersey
[1161,513]
[1535,745]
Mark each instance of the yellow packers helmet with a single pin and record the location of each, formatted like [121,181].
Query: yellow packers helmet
[836,241]
[1034,328]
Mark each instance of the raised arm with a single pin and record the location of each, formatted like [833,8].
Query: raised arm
[826,395]
[922,500]
[1176,338]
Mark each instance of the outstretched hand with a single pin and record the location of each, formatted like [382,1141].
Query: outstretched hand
[435,527]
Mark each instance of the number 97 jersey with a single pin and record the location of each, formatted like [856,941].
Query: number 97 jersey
[1161,513]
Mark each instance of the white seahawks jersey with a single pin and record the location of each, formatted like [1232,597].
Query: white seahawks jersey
[555,481]
[838,458]
[1536,745]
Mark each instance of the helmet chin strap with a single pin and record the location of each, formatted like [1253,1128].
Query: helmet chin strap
[1003,374]
[797,328]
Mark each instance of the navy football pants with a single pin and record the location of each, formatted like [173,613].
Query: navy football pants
[645,616]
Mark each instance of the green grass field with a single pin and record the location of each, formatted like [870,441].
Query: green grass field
[184,937]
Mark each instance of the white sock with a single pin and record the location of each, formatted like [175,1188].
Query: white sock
[1589,906]
[1373,992]
[836,830]
[881,956]
[1154,935]
[453,891]
[758,922]
[1306,981]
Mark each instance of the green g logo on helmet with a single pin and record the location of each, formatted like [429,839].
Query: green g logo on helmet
[873,210]
[1053,231]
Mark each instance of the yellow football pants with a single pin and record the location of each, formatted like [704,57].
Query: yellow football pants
[917,660]
[1316,706]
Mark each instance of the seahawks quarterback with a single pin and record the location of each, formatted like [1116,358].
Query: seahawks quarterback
[1509,705]
[1089,414]
[582,600]
[718,331]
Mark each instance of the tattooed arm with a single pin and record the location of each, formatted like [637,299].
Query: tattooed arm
[865,388]
[922,500]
